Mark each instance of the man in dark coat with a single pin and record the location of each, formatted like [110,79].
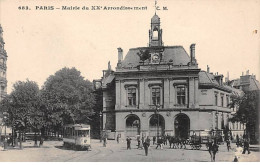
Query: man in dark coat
[228,144]
[154,138]
[128,142]
[246,147]
[146,145]
[237,141]
[213,149]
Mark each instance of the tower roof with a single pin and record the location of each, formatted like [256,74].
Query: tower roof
[155,19]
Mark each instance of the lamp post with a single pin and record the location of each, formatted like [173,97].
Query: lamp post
[5,140]
[100,115]
[158,122]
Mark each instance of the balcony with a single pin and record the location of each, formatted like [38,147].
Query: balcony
[155,106]
[3,80]
[3,52]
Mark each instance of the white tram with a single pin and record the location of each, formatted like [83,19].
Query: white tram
[77,136]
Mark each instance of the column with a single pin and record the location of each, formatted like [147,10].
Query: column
[118,94]
[166,89]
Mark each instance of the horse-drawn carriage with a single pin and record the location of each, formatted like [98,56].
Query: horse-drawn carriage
[206,137]
[195,142]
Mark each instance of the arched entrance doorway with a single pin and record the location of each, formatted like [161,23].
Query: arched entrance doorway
[156,125]
[132,125]
[182,126]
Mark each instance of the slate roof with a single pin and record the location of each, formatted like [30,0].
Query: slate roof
[208,79]
[107,80]
[155,19]
[177,54]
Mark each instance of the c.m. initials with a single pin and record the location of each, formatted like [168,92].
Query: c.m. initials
[165,8]
[96,7]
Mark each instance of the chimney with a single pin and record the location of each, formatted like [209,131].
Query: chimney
[207,69]
[242,73]
[247,72]
[227,78]
[120,54]
[192,53]
[108,66]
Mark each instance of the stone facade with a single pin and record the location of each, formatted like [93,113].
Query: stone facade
[3,59]
[160,90]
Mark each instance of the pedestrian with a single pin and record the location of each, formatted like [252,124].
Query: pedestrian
[246,147]
[159,143]
[142,139]
[235,159]
[237,141]
[105,141]
[154,139]
[146,146]
[128,142]
[213,149]
[228,144]
[117,138]
[138,141]
[148,141]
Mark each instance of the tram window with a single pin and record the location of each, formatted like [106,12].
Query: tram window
[83,133]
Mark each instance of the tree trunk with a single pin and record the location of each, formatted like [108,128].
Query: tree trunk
[20,139]
[42,136]
[35,139]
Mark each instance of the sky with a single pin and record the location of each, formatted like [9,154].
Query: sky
[41,42]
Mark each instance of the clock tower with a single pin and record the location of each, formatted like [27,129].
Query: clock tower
[155,33]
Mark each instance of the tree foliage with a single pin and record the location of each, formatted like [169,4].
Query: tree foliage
[22,104]
[248,112]
[247,107]
[67,97]
[144,55]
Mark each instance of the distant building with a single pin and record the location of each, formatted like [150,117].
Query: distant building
[159,90]
[245,82]
[3,81]
[3,59]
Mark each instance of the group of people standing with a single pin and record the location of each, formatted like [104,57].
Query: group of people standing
[144,143]
[141,143]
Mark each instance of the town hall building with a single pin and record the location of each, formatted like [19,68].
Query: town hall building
[160,90]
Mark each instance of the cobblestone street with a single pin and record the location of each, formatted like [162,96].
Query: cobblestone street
[52,151]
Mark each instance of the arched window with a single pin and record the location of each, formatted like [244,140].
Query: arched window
[155,34]
[132,125]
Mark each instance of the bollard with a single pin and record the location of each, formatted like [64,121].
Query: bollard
[5,145]
[20,146]
[16,142]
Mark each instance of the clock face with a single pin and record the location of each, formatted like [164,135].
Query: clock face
[155,58]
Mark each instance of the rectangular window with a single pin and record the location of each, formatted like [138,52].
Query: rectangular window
[181,95]
[156,96]
[227,101]
[222,101]
[216,99]
[131,96]
[2,89]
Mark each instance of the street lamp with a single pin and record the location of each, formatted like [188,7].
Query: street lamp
[158,122]
[5,140]
[100,115]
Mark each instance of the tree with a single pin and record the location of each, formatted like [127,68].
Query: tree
[248,112]
[22,105]
[68,98]
[144,55]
